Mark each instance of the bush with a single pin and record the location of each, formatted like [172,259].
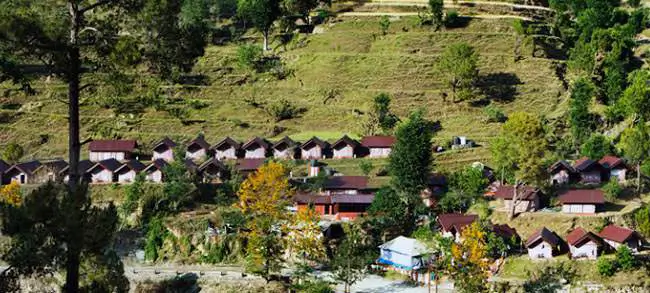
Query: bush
[452,19]
[248,56]
[596,147]
[13,152]
[366,167]
[624,258]
[606,267]
[494,114]
[282,110]
[612,190]
[314,286]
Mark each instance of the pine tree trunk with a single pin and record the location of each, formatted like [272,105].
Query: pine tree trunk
[513,203]
[638,178]
[266,40]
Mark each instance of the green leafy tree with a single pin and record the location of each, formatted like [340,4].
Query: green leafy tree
[366,167]
[381,108]
[454,202]
[502,157]
[410,161]
[612,190]
[636,97]
[526,144]
[384,24]
[248,56]
[580,119]
[156,234]
[550,278]
[469,180]
[625,259]
[635,145]
[386,214]
[351,259]
[606,267]
[642,220]
[42,242]
[179,183]
[261,14]
[596,147]
[12,153]
[437,13]
[459,65]
[299,8]
[133,192]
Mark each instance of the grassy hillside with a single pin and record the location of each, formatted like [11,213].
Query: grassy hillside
[350,58]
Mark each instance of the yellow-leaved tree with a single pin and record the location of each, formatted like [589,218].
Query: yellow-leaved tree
[10,194]
[263,198]
[306,237]
[470,264]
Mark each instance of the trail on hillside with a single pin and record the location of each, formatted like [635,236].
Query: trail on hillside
[400,14]
[425,3]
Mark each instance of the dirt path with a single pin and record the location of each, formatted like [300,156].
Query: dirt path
[425,3]
[399,14]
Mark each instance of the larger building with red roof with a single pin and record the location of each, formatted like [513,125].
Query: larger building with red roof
[378,146]
[581,201]
[615,236]
[528,198]
[99,150]
[452,225]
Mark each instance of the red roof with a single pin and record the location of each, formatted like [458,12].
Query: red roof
[579,237]
[586,196]
[523,192]
[346,182]
[112,145]
[611,162]
[585,164]
[456,221]
[306,198]
[378,141]
[616,233]
[249,164]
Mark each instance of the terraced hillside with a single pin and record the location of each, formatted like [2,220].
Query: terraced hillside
[336,73]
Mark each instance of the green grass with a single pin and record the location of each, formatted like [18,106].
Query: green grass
[350,57]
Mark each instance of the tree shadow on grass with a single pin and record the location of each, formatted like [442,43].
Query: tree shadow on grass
[501,87]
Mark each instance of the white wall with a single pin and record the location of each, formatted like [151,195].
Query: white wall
[155,176]
[197,155]
[561,177]
[283,154]
[632,244]
[379,152]
[522,205]
[167,155]
[541,251]
[345,152]
[100,156]
[21,178]
[397,257]
[312,153]
[257,153]
[579,208]
[126,177]
[588,250]
[618,174]
[229,153]
[101,176]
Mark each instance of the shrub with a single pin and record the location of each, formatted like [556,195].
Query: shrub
[606,267]
[596,147]
[624,258]
[366,167]
[282,110]
[494,114]
[452,19]
[248,56]
[384,24]
[612,190]
[314,286]
[12,153]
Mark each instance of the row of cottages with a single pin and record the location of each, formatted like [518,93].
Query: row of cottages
[34,172]
[588,171]
[256,148]
[341,198]
[573,201]
[546,244]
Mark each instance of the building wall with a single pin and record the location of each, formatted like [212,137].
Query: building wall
[21,178]
[283,154]
[155,176]
[633,244]
[167,155]
[590,177]
[229,153]
[561,177]
[126,177]
[397,257]
[344,153]
[541,251]
[344,216]
[101,176]
[196,155]
[579,208]
[522,205]
[100,156]
[379,152]
[256,153]
[618,174]
[312,153]
[588,250]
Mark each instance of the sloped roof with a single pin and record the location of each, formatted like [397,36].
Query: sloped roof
[561,165]
[108,164]
[256,140]
[345,140]
[456,221]
[617,233]
[504,231]
[523,192]
[406,246]
[579,237]
[316,141]
[82,167]
[306,198]
[543,234]
[167,142]
[378,141]
[200,141]
[585,196]
[228,143]
[56,164]
[157,164]
[4,166]
[134,165]
[284,141]
[211,162]
[611,162]
[112,145]
[25,167]
[584,164]
[190,165]
[346,182]
[249,164]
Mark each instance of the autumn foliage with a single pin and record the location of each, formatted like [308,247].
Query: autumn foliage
[10,194]
[266,192]
[470,262]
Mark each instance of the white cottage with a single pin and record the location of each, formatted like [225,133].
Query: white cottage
[104,171]
[120,150]
[615,168]
[404,255]
[377,146]
[314,148]
[615,236]
[256,148]
[23,173]
[561,172]
[226,149]
[528,198]
[285,148]
[154,172]
[127,172]
[344,148]
[543,244]
[197,149]
[164,150]
[583,244]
